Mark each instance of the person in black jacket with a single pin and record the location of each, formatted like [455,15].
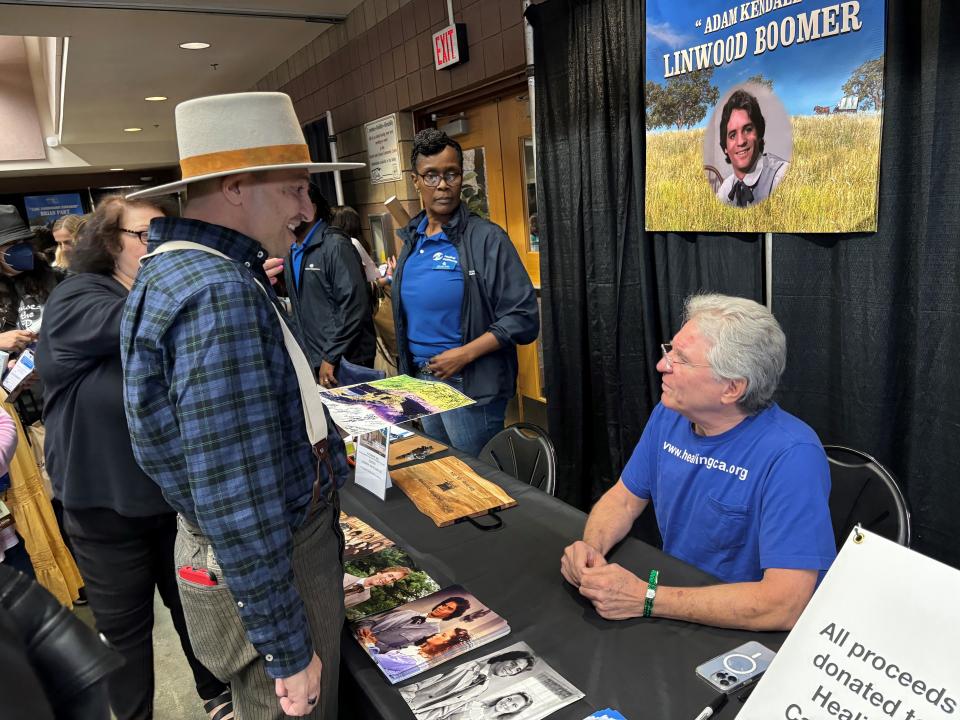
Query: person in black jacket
[462,300]
[122,529]
[329,295]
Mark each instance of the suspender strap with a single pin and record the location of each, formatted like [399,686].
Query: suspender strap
[313,415]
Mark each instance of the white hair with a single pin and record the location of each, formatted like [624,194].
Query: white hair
[746,342]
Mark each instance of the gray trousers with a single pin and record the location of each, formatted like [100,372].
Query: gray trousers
[218,637]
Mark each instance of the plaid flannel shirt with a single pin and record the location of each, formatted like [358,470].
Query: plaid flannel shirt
[216,421]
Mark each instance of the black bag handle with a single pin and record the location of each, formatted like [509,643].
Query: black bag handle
[496,525]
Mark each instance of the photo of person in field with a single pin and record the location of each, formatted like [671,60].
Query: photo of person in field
[756,173]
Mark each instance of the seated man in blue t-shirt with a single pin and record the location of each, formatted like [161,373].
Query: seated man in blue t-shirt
[740,487]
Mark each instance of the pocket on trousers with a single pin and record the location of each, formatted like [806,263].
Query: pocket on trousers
[726,524]
[212,620]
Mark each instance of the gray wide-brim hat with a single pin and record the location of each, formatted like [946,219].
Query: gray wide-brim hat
[12,226]
[224,135]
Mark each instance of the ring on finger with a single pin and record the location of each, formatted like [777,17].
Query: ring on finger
[312,700]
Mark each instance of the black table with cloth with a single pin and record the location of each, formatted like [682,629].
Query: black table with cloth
[643,667]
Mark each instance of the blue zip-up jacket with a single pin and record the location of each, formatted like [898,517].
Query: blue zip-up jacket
[497,297]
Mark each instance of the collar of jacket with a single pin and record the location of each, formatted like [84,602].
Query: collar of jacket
[452,229]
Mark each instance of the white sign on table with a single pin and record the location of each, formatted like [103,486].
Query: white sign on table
[880,639]
[373,449]
[383,149]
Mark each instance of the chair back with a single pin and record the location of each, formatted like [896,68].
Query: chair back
[864,492]
[525,452]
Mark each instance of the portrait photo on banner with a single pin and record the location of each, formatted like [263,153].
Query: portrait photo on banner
[763,116]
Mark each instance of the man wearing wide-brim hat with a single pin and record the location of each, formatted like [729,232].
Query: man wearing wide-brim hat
[226,420]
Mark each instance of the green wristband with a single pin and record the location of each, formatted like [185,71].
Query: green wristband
[651,593]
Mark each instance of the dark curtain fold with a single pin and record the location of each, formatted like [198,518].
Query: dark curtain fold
[596,327]
[873,321]
[611,292]
[318,142]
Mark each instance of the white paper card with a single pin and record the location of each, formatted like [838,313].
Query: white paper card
[878,640]
[371,471]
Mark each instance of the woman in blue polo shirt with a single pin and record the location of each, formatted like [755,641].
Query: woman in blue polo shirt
[462,299]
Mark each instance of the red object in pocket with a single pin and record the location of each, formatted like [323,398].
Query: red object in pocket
[197,576]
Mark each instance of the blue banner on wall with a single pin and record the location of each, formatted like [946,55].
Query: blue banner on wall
[763,116]
[41,209]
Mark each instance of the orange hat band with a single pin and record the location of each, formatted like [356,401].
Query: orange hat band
[240,160]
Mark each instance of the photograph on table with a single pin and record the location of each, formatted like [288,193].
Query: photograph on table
[424,633]
[360,539]
[412,449]
[382,581]
[510,683]
[370,406]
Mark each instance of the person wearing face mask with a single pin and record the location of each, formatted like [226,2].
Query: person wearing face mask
[25,283]
[121,528]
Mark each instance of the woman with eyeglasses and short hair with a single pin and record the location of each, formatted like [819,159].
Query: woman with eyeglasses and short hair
[121,528]
[462,299]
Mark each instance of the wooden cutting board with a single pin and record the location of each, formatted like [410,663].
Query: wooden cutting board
[447,490]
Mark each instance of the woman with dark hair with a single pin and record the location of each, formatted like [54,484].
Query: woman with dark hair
[348,220]
[331,303]
[121,528]
[462,299]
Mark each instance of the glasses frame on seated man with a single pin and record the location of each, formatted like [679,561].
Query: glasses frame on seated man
[740,487]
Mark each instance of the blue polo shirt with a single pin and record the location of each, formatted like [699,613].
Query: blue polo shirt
[431,295]
[735,504]
[297,251]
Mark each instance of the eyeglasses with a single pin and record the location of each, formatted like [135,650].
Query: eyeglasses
[141,235]
[432,179]
[666,349]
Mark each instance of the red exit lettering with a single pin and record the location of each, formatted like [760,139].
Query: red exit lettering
[445,47]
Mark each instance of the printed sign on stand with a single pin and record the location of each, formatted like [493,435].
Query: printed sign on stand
[371,472]
[879,640]
[383,149]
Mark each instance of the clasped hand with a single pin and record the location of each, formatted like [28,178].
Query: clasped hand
[297,691]
[616,593]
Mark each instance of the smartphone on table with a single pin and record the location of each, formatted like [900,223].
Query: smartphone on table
[736,669]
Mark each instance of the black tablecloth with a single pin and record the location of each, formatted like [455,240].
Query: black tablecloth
[642,667]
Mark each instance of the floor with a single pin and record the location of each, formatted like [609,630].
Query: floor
[175,697]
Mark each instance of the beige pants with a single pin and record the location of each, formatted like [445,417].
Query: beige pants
[218,637]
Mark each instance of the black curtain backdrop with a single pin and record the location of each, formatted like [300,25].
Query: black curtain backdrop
[318,142]
[612,293]
[872,320]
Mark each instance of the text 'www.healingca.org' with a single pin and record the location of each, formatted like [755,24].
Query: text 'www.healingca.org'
[709,462]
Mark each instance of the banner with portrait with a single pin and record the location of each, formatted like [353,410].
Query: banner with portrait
[763,116]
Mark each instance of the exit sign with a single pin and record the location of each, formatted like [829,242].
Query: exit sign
[450,46]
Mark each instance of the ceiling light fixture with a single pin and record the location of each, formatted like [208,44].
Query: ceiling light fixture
[156,98]
[115,169]
[194,45]
[132,129]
